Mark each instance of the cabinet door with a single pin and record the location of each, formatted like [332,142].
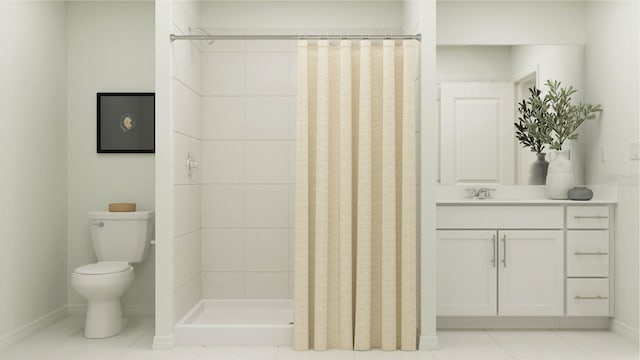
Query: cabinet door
[530,273]
[466,277]
[477,136]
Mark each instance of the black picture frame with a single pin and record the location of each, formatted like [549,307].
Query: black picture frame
[126,122]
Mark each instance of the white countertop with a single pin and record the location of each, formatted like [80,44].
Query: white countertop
[489,202]
[519,195]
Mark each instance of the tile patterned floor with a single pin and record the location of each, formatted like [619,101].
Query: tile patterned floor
[64,340]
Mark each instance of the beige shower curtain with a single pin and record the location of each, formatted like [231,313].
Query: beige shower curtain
[355,251]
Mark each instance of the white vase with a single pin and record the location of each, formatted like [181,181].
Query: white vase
[560,176]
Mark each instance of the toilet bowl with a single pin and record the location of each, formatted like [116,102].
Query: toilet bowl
[119,239]
[103,285]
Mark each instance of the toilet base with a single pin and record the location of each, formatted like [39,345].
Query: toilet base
[104,319]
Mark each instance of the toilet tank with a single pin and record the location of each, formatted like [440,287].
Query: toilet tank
[121,236]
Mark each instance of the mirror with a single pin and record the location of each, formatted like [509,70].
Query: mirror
[479,88]
[507,46]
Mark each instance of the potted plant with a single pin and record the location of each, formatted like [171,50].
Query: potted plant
[561,119]
[533,132]
[565,118]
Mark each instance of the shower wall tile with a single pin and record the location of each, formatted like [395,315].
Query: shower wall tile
[187,297]
[223,118]
[267,206]
[292,116]
[186,110]
[223,206]
[292,205]
[184,17]
[267,250]
[292,80]
[291,279]
[186,63]
[247,112]
[292,162]
[267,285]
[223,285]
[267,162]
[223,74]
[224,46]
[187,202]
[267,118]
[292,248]
[223,162]
[267,74]
[186,258]
[269,45]
[223,250]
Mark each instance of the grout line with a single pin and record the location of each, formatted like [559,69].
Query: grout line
[187,135]
[250,96]
[486,331]
[289,140]
[571,344]
[187,86]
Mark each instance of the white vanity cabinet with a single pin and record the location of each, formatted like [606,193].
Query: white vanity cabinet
[509,260]
[500,272]
[467,281]
[530,273]
[589,246]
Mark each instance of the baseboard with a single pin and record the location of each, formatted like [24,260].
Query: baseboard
[625,330]
[30,328]
[129,311]
[521,322]
[429,343]
[163,342]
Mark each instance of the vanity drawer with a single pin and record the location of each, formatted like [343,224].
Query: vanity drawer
[588,297]
[587,217]
[587,253]
[499,217]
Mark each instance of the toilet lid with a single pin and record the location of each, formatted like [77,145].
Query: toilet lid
[105,267]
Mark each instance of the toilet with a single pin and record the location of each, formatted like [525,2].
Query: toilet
[119,239]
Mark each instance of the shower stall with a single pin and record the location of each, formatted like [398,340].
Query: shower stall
[232,109]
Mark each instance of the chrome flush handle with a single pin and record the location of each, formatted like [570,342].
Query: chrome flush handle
[98,223]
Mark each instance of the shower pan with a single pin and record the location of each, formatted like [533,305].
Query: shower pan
[237,323]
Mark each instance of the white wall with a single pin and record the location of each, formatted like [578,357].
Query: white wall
[611,79]
[328,16]
[110,49]
[473,63]
[420,17]
[33,158]
[510,22]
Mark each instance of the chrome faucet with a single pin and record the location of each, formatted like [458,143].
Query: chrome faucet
[485,193]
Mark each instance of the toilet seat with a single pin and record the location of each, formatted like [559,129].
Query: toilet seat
[103,268]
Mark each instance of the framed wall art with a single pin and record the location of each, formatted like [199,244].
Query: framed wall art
[126,123]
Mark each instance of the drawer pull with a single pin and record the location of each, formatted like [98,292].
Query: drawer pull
[493,241]
[590,253]
[504,255]
[590,217]
[591,297]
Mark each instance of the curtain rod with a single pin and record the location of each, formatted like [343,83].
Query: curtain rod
[295,37]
